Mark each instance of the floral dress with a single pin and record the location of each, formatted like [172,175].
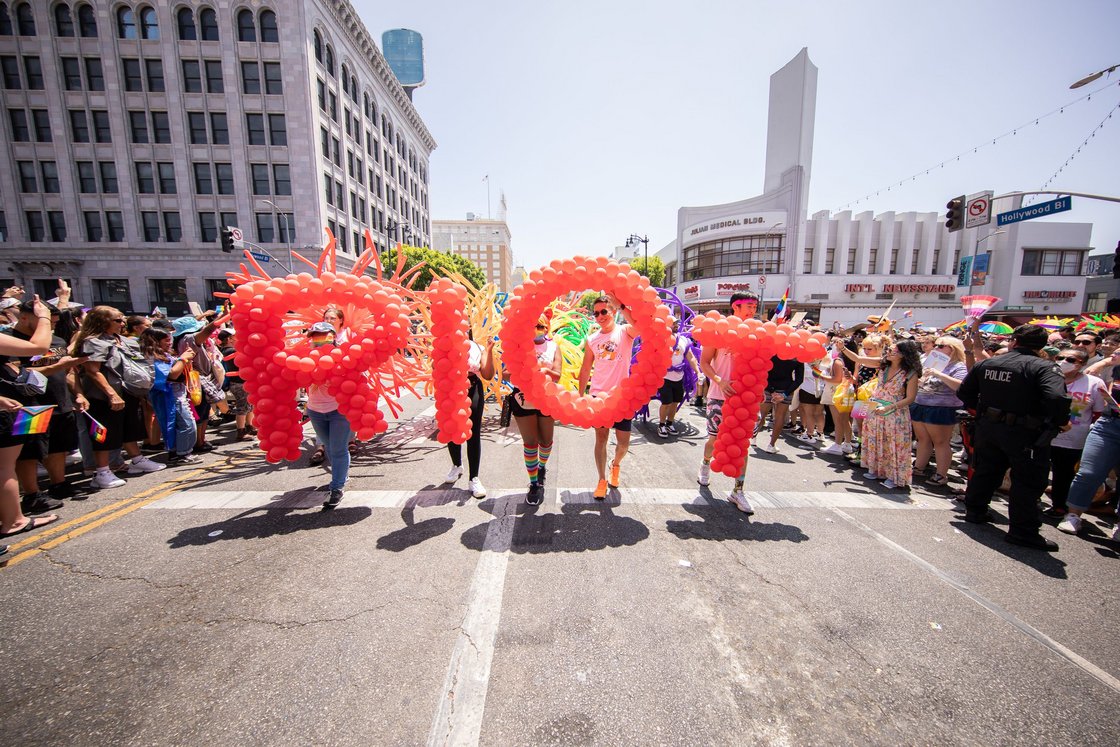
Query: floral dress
[887,438]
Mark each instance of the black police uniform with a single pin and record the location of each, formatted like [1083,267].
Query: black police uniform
[1020,402]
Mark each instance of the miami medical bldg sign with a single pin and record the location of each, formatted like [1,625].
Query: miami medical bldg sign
[733,225]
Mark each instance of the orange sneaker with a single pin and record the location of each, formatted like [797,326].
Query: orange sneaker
[613,481]
[600,490]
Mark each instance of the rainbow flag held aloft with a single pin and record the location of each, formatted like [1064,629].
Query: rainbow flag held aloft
[32,420]
[782,310]
[97,431]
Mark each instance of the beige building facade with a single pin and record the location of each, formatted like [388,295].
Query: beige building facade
[483,241]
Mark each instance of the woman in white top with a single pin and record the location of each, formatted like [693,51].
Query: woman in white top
[537,428]
[333,316]
[331,426]
[480,363]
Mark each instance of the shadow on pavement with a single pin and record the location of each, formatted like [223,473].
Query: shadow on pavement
[577,528]
[1043,562]
[259,523]
[413,533]
[721,521]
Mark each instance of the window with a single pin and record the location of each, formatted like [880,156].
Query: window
[281,179]
[71,73]
[149,219]
[337,150]
[138,124]
[1052,261]
[219,129]
[287,227]
[277,131]
[224,173]
[42,122]
[269,31]
[324,136]
[214,83]
[87,22]
[25,20]
[196,127]
[203,184]
[114,293]
[149,25]
[95,78]
[255,128]
[114,223]
[10,68]
[126,24]
[322,93]
[208,22]
[213,287]
[171,294]
[101,131]
[246,30]
[57,222]
[228,219]
[187,29]
[21,133]
[751,255]
[166,178]
[161,127]
[273,84]
[87,178]
[108,179]
[329,64]
[208,226]
[266,231]
[132,79]
[250,76]
[318,47]
[327,190]
[92,219]
[192,76]
[172,227]
[27,180]
[6,21]
[63,21]
[145,181]
[50,177]
[154,71]
[36,228]
[260,178]
[34,70]
[332,105]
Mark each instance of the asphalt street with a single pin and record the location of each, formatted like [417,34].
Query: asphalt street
[219,605]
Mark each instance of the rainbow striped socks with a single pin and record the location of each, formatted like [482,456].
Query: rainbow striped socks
[531,463]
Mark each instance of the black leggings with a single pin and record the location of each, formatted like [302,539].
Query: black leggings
[1063,462]
[474,443]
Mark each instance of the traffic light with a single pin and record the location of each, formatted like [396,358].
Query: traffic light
[227,240]
[954,214]
[1116,263]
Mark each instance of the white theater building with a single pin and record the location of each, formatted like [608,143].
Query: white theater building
[843,267]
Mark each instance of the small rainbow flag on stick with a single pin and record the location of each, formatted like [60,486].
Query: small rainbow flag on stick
[97,431]
[32,420]
[977,306]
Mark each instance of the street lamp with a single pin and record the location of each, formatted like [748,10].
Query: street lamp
[287,232]
[634,239]
[1090,78]
[975,249]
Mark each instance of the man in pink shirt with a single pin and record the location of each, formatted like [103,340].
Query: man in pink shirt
[609,350]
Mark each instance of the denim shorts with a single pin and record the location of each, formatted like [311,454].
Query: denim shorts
[933,415]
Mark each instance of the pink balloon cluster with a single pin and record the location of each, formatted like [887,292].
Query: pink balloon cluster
[450,348]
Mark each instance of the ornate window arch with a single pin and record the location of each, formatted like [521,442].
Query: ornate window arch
[184,19]
[246,26]
[63,20]
[208,25]
[87,21]
[318,46]
[149,23]
[126,23]
[270,31]
[329,61]
[25,19]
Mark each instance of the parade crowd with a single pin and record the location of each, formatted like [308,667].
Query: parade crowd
[1036,409]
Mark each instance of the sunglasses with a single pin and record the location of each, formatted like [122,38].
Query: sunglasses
[1082,342]
[603,312]
[117,319]
[942,345]
[1070,359]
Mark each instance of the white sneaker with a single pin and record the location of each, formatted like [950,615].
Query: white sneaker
[74,457]
[142,464]
[740,500]
[453,475]
[1071,524]
[805,438]
[476,488]
[871,476]
[890,484]
[106,480]
[672,428]
[834,450]
[847,447]
[768,447]
[1115,535]
[704,475]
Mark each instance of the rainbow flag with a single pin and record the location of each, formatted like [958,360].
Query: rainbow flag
[782,310]
[32,420]
[97,431]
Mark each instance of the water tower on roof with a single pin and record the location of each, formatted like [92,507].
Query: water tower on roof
[404,51]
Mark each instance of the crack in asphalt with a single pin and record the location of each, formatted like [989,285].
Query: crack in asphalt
[290,624]
[73,568]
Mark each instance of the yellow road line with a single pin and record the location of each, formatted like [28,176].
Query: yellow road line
[113,511]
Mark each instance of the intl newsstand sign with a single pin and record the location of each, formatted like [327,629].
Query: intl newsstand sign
[900,288]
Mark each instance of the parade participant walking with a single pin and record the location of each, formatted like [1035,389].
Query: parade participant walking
[480,363]
[934,413]
[1087,401]
[1020,402]
[331,426]
[193,334]
[885,452]
[608,351]
[100,341]
[671,395]
[716,363]
[333,316]
[535,427]
[169,398]
[782,382]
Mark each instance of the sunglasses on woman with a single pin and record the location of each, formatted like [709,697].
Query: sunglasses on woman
[1069,358]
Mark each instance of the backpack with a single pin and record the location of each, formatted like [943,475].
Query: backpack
[136,373]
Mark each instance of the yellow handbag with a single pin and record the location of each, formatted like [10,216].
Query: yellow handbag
[194,384]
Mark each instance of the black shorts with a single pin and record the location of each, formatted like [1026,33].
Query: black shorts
[624,425]
[809,399]
[35,447]
[123,426]
[671,392]
[517,405]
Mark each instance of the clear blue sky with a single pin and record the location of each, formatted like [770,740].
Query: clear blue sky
[599,119]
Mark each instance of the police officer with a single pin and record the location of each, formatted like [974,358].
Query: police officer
[1020,402]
